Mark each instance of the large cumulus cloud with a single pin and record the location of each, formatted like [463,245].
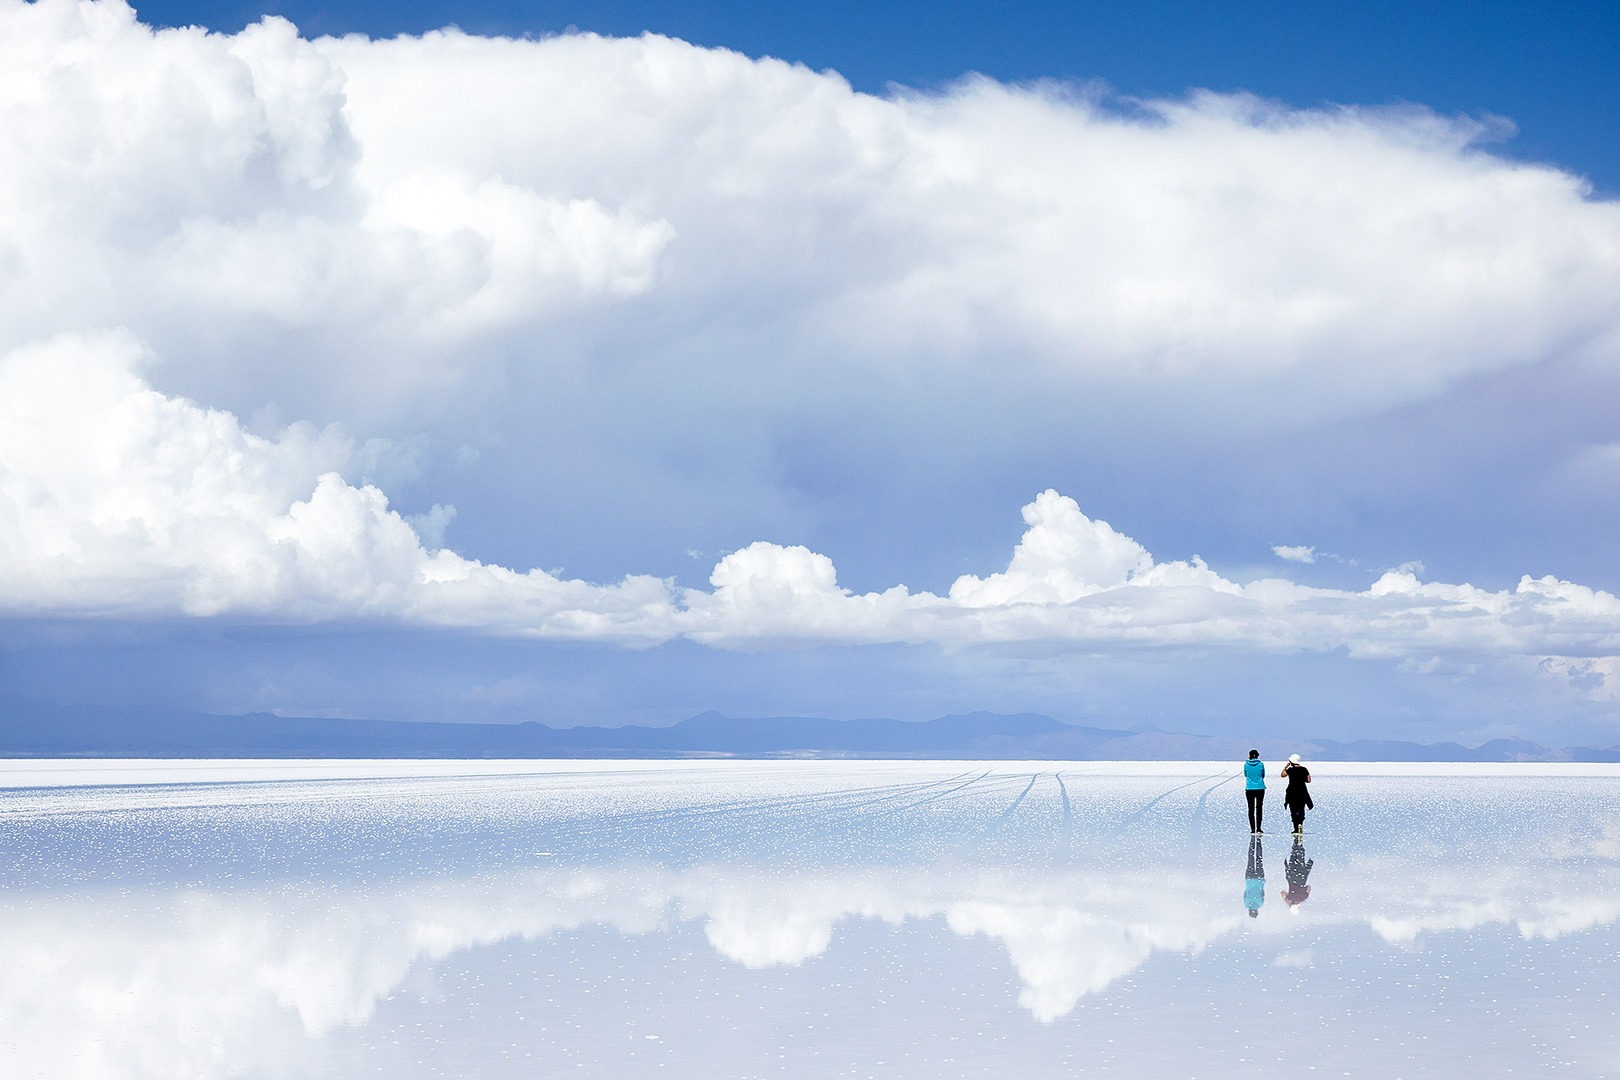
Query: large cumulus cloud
[115,499]
[118,500]
[380,233]
[409,205]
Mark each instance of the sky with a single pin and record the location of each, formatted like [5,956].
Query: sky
[1223,370]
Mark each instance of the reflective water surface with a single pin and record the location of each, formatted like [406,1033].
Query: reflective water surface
[825,919]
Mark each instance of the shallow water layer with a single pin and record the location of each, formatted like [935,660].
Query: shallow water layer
[742,919]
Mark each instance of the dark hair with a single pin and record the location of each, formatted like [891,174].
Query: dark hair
[1254,753]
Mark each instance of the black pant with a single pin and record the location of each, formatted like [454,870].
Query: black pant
[1256,800]
[1297,810]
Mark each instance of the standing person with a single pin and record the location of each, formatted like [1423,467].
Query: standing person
[1298,796]
[1254,878]
[1254,784]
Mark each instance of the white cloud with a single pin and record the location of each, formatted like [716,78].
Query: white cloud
[384,217]
[375,230]
[118,500]
[1078,582]
[1598,677]
[1299,554]
[203,189]
[1063,557]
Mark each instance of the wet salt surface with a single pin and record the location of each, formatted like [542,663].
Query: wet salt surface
[741,919]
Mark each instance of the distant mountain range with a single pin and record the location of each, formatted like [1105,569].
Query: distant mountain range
[35,730]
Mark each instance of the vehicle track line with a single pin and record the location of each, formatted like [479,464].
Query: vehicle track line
[1122,826]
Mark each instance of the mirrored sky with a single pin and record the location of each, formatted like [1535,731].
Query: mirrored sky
[802,919]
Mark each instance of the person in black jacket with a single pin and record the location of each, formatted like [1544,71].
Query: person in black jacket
[1298,797]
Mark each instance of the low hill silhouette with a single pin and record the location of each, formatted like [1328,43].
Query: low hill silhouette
[42,730]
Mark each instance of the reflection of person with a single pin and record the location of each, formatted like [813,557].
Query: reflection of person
[1254,784]
[1298,870]
[1254,878]
[1298,796]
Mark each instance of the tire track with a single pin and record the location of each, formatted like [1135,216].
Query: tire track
[1122,826]
[1066,833]
[1007,813]
[1198,815]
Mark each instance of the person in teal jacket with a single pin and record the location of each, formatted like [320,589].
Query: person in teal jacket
[1254,777]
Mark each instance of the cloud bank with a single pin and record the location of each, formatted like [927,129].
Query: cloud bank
[387,233]
[116,500]
[407,209]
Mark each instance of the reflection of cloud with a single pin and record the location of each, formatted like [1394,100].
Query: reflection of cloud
[208,983]
[756,938]
[1536,901]
[1061,954]
[204,982]
[252,974]
[1067,934]
[200,983]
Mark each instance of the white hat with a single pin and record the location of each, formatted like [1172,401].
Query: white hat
[1294,758]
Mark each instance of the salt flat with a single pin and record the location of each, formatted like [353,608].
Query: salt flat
[745,918]
[86,772]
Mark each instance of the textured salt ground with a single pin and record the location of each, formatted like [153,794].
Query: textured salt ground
[800,919]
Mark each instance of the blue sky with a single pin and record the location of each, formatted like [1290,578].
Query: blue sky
[1220,370]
